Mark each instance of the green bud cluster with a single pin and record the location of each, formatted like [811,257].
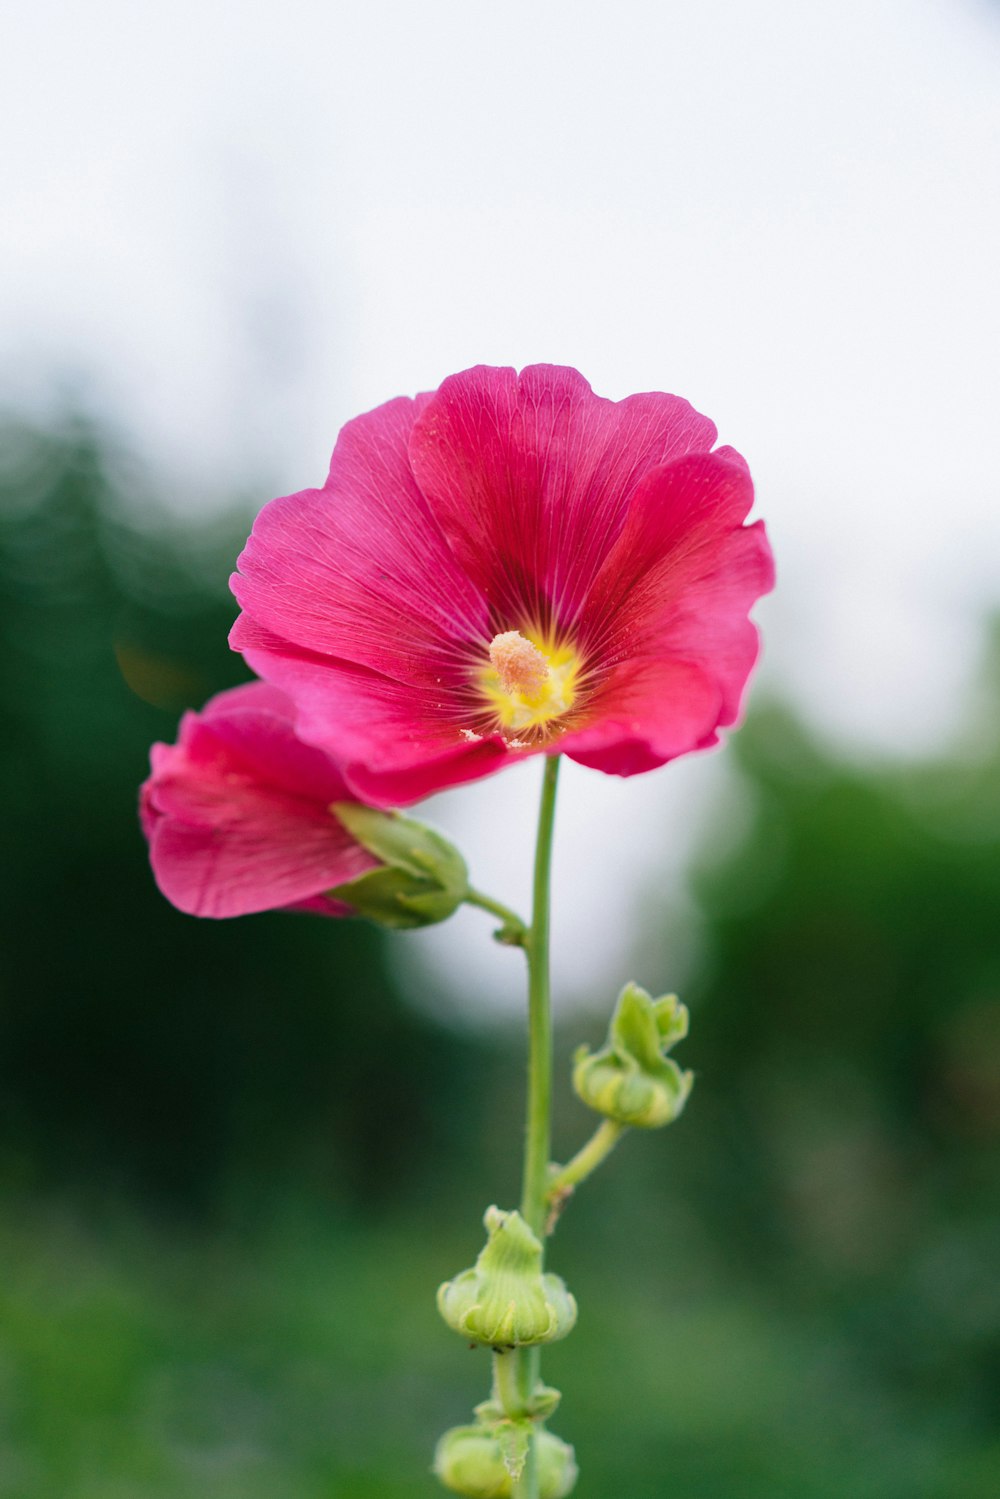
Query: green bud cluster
[505,1300]
[422,880]
[631,1079]
[485,1461]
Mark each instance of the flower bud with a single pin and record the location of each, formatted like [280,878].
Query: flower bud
[505,1300]
[631,1079]
[422,878]
[472,1460]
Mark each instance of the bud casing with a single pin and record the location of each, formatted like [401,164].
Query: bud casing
[476,1461]
[631,1079]
[423,878]
[506,1300]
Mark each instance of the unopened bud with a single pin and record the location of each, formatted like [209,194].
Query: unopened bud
[423,878]
[631,1079]
[476,1461]
[505,1300]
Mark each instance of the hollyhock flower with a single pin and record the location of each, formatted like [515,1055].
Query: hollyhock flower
[511,565]
[237,812]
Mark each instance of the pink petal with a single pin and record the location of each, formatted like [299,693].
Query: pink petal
[400,785]
[531,477]
[665,629]
[684,574]
[321,905]
[647,713]
[237,812]
[360,569]
[258,695]
[396,744]
[256,724]
[268,855]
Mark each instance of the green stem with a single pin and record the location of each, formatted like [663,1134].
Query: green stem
[537,1147]
[597,1149]
[506,1384]
[537,1141]
[514,931]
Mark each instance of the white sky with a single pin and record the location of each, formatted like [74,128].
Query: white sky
[239,224]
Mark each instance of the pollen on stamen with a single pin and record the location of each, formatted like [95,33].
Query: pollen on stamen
[520,665]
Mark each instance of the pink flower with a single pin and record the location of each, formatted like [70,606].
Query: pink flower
[237,813]
[511,565]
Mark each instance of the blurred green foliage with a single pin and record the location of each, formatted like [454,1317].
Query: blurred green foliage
[139,1047]
[235,1164]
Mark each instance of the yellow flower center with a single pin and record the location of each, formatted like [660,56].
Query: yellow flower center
[529,682]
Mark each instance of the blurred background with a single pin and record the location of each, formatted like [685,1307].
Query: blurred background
[236,1159]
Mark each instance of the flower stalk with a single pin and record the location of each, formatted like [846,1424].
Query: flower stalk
[586,1161]
[538,1124]
[513,932]
[538,1130]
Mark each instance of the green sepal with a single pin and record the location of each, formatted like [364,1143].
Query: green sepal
[539,1406]
[423,878]
[514,1438]
[486,1460]
[505,1300]
[631,1079]
[468,1460]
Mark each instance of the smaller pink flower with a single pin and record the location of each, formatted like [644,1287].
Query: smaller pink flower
[237,812]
